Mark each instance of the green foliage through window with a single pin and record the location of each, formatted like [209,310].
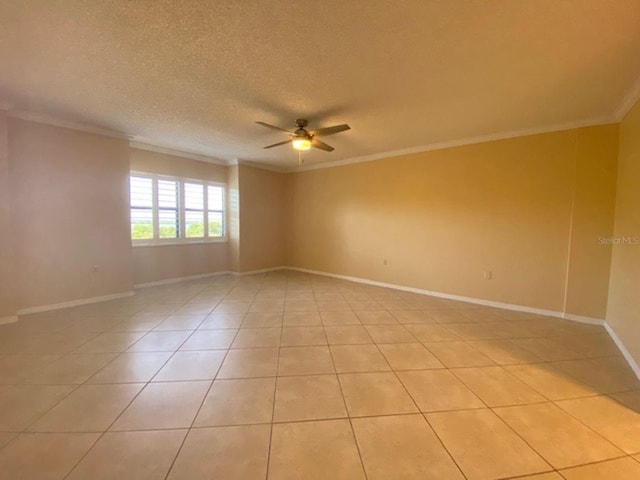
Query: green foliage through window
[215,229]
[142,231]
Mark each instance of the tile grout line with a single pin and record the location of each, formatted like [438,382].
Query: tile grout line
[273,406]
[329,347]
[597,462]
[25,430]
[123,410]
[419,412]
[346,408]
[487,407]
[592,430]
[202,402]
[555,403]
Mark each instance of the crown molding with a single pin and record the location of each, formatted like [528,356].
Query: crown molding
[629,100]
[458,143]
[151,147]
[142,143]
[58,122]
[262,166]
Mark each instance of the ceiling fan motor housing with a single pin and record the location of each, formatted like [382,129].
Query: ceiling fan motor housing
[302,133]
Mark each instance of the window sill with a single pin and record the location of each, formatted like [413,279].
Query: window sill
[183,243]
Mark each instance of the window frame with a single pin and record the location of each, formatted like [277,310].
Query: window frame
[182,239]
[152,208]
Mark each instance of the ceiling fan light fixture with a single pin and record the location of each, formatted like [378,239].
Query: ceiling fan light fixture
[301,143]
[303,139]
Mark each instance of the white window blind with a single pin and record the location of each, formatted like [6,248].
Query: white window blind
[175,210]
[168,211]
[194,210]
[141,195]
[215,221]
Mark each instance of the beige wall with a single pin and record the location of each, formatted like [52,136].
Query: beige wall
[593,214]
[623,313]
[263,218]
[443,218]
[156,263]
[8,305]
[69,204]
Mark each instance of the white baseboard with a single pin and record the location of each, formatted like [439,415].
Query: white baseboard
[432,293]
[74,303]
[9,319]
[505,306]
[477,301]
[262,270]
[625,353]
[582,319]
[169,281]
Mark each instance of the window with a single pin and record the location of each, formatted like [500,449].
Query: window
[167,210]
[194,210]
[215,196]
[141,200]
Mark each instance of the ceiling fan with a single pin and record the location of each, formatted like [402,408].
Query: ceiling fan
[303,139]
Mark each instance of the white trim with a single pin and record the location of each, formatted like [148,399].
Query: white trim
[582,319]
[169,242]
[56,122]
[506,306]
[458,143]
[9,319]
[148,145]
[168,281]
[629,100]
[75,303]
[262,270]
[625,353]
[461,298]
[433,293]
[144,143]
[262,166]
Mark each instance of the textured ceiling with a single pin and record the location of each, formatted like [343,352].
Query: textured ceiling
[195,75]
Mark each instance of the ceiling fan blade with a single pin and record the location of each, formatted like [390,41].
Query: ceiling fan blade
[278,144]
[323,132]
[321,145]
[273,127]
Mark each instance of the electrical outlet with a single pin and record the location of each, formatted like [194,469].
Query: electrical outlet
[384,262]
[95,269]
[488,275]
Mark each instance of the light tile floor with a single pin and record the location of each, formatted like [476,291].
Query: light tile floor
[292,376]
